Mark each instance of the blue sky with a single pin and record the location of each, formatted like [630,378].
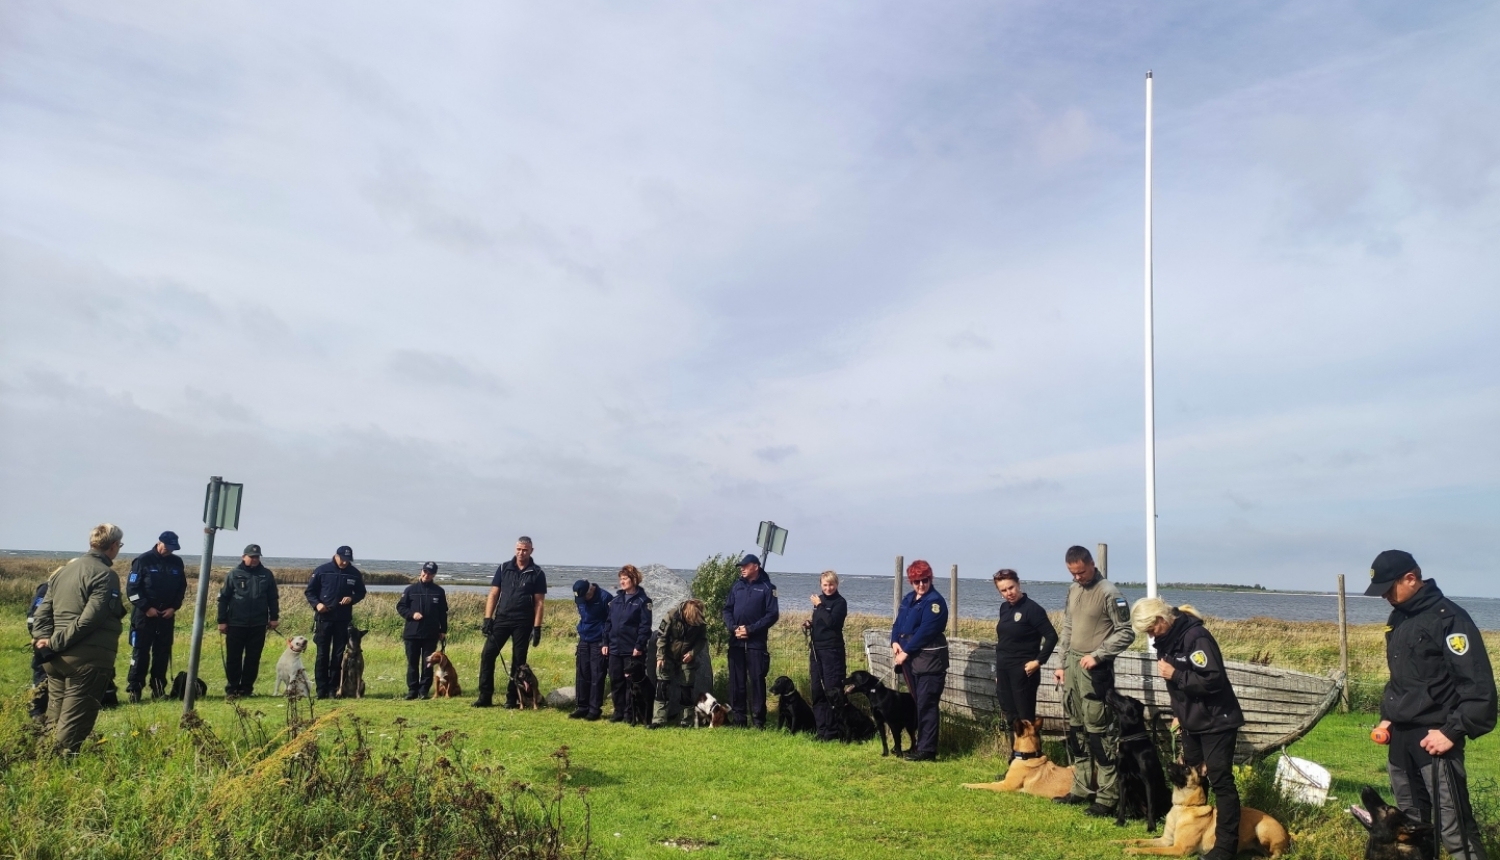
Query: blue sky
[631,280]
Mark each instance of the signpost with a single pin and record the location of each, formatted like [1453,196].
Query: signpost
[771,538]
[221,510]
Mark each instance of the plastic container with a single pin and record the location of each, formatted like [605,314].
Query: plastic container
[1302,781]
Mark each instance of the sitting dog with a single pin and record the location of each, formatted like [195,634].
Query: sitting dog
[444,676]
[179,687]
[640,694]
[1030,772]
[528,691]
[1189,828]
[709,712]
[291,677]
[1393,836]
[352,671]
[1143,788]
[850,721]
[792,711]
[898,711]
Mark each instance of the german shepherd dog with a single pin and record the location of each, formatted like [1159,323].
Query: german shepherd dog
[1393,836]
[1143,788]
[444,676]
[792,711]
[1190,825]
[528,691]
[1031,772]
[639,694]
[890,708]
[352,669]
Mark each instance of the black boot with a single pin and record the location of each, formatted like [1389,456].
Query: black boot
[483,702]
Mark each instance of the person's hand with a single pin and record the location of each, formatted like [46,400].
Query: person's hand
[900,658]
[658,667]
[635,652]
[687,658]
[1032,666]
[152,613]
[416,616]
[817,600]
[1436,743]
[42,643]
[807,625]
[536,636]
[487,627]
[346,601]
[443,637]
[1088,662]
[168,612]
[273,623]
[320,608]
[604,650]
[1384,724]
[1165,669]
[1057,676]
[223,628]
[741,633]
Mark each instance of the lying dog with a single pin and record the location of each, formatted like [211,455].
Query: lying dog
[710,712]
[1190,825]
[889,708]
[1030,772]
[444,676]
[1143,788]
[1393,836]
[792,711]
[179,687]
[528,691]
[352,670]
[291,677]
[640,693]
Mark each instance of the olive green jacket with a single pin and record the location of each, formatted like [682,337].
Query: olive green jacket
[82,610]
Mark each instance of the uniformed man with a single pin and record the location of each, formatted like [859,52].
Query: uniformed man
[1441,693]
[750,610]
[78,626]
[919,651]
[249,605]
[1096,630]
[332,591]
[38,674]
[424,605]
[155,588]
[512,611]
[591,662]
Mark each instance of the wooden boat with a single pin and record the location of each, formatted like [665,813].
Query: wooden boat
[1280,705]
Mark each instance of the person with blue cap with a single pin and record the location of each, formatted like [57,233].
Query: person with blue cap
[332,591]
[750,610]
[155,589]
[591,663]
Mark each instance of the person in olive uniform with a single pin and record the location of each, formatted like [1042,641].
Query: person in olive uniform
[750,611]
[77,630]
[1440,695]
[1204,703]
[332,591]
[424,605]
[513,611]
[1024,639]
[590,663]
[627,630]
[826,659]
[677,665]
[1096,630]
[155,589]
[249,605]
[919,651]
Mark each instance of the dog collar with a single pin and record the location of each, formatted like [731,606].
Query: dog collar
[1138,736]
[1025,756]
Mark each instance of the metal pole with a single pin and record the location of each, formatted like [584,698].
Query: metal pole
[1150,378]
[1101,560]
[202,602]
[953,597]
[1343,646]
[896,601]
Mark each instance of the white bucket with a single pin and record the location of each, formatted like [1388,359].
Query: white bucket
[1302,781]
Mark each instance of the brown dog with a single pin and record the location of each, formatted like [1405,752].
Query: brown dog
[444,676]
[528,691]
[1190,825]
[1030,771]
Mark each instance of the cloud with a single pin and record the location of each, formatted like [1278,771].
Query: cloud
[430,368]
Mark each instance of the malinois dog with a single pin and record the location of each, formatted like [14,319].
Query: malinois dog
[1189,828]
[1031,772]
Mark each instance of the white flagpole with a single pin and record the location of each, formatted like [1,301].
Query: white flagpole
[1150,378]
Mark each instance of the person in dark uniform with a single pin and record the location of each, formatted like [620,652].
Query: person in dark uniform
[1440,695]
[919,650]
[513,611]
[826,663]
[591,662]
[332,591]
[627,629]
[424,605]
[38,672]
[155,589]
[750,610]
[1024,639]
[1204,703]
[249,605]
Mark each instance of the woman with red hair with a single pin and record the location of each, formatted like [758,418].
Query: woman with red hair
[920,651]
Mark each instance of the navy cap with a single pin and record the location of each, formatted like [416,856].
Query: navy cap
[749,559]
[344,553]
[1388,567]
[581,587]
[430,567]
[169,540]
[253,550]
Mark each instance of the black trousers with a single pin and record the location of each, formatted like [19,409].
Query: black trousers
[331,637]
[825,671]
[748,667]
[619,660]
[1217,751]
[1417,778]
[150,650]
[418,673]
[1016,690]
[928,691]
[520,637]
[589,670]
[242,650]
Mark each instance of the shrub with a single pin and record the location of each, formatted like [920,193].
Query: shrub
[711,585]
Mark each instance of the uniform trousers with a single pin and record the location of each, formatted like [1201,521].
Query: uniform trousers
[826,668]
[927,690]
[74,691]
[150,650]
[242,649]
[520,637]
[1417,777]
[589,671]
[331,637]
[1216,749]
[418,673]
[1093,737]
[749,663]
[1016,690]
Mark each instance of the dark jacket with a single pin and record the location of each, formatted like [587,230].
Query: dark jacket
[919,629]
[156,582]
[754,606]
[1024,632]
[828,622]
[81,611]
[1440,674]
[628,626]
[430,600]
[330,584]
[249,597]
[593,616]
[1202,698]
[680,638]
[518,585]
[36,600]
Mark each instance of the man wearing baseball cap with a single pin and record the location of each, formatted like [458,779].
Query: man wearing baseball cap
[750,610]
[1440,694]
[424,605]
[249,605]
[155,589]
[590,664]
[332,591]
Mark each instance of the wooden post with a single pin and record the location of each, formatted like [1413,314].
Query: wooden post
[896,601]
[1101,560]
[953,597]
[1343,646]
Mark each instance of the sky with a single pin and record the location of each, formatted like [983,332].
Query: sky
[632,278]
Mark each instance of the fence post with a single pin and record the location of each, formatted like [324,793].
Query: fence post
[953,597]
[1101,560]
[1343,646]
[896,601]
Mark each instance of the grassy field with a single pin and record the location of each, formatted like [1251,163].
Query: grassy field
[153,788]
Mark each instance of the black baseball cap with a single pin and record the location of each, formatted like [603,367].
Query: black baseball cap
[749,559]
[580,587]
[344,553]
[1388,567]
[252,550]
[430,567]
[169,540]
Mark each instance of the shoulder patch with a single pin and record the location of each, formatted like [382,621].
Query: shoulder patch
[936,609]
[649,604]
[773,592]
[1120,602]
[134,576]
[1458,643]
[1199,659]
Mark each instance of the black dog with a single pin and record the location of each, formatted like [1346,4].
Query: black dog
[179,687]
[792,711]
[1393,836]
[1143,787]
[890,708]
[850,723]
[640,693]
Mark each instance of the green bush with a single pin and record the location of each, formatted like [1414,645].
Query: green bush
[711,585]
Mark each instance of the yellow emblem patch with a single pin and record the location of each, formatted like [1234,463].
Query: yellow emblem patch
[1458,643]
[1198,659]
[936,609]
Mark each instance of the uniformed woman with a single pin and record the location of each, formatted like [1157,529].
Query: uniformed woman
[628,628]
[1203,702]
[677,664]
[826,658]
[919,650]
[1024,639]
